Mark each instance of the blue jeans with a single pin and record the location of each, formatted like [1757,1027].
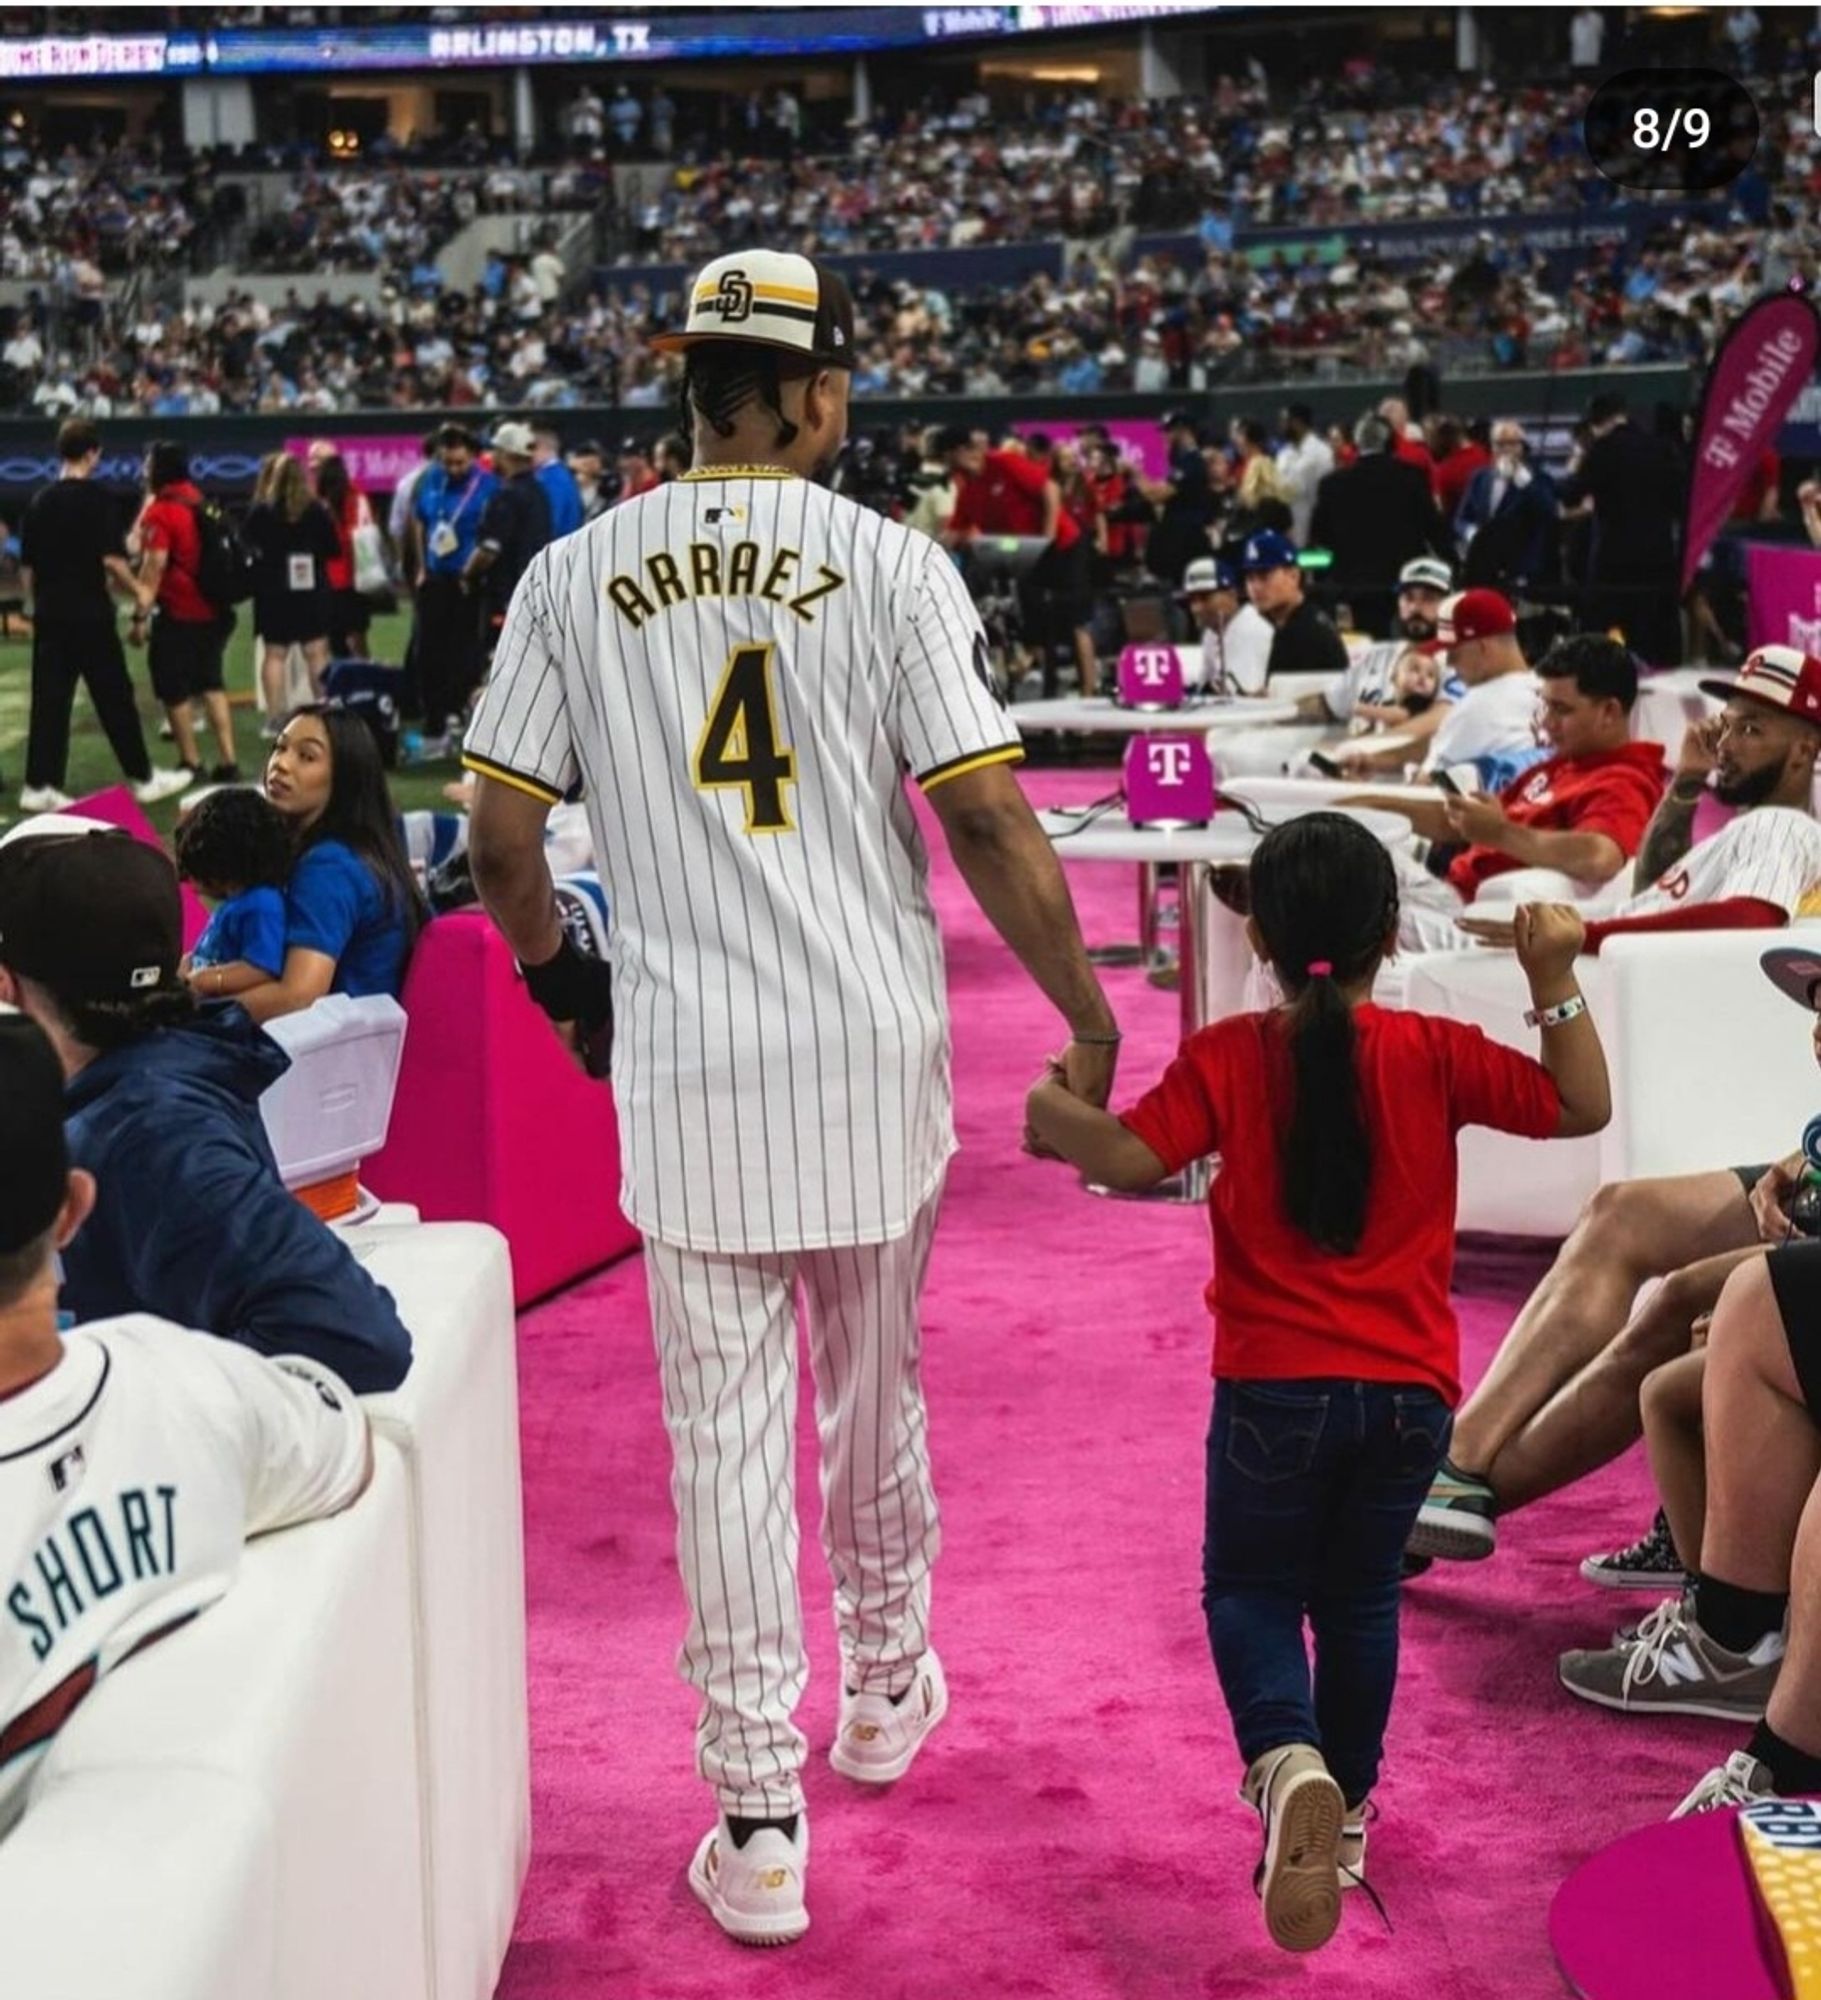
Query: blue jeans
[1313,1488]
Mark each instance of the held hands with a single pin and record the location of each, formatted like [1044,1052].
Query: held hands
[1547,938]
[1054,1077]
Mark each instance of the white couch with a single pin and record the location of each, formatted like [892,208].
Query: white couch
[1711,1067]
[320,1790]
[233,1814]
[454,1422]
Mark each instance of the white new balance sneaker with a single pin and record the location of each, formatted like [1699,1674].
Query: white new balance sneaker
[755,1892]
[43,799]
[878,1739]
[1740,1781]
[165,784]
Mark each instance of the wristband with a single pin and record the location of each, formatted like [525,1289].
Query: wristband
[1557,1016]
[570,987]
[1111,1041]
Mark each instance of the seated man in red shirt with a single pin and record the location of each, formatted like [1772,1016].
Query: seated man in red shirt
[1008,490]
[1581,814]
[1761,752]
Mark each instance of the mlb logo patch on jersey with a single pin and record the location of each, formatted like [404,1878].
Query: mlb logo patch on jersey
[66,1470]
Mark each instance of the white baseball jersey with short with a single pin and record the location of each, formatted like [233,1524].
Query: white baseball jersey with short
[738,670]
[130,1477]
[1772,854]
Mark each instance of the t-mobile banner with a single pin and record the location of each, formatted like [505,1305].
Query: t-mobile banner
[375,464]
[1783,597]
[1140,444]
[1763,365]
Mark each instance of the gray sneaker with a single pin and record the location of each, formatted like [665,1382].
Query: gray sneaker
[1673,1668]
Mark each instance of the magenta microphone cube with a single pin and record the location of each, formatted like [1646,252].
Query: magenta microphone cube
[1149,677]
[1169,781]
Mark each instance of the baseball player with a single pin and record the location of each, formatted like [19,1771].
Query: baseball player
[135,1456]
[737,671]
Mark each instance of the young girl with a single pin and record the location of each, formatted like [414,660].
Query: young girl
[1336,1353]
[234,845]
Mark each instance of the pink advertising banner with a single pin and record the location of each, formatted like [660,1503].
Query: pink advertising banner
[376,463]
[1783,597]
[1138,443]
[1764,364]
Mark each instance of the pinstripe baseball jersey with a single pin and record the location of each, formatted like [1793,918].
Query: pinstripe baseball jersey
[737,670]
[1772,853]
[131,1475]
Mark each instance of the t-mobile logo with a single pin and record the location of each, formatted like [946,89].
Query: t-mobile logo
[1169,763]
[1153,665]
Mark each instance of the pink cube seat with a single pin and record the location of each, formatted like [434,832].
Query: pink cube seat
[493,1121]
[118,807]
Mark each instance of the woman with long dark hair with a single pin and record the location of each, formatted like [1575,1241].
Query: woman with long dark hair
[1336,1354]
[350,615]
[352,907]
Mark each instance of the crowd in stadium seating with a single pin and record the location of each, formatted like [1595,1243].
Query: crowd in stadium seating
[1086,170]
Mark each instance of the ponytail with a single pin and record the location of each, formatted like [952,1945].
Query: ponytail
[1327,1152]
[1324,897]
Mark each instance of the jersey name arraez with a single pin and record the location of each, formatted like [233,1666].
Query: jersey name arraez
[736,671]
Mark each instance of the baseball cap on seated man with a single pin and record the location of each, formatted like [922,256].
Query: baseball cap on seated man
[770,298]
[35,1161]
[1268,549]
[1780,677]
[1207,573]
[1474,614]
[513,437]
[1426,573]
[94,915]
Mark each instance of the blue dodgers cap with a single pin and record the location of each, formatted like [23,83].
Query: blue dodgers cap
[1268,549]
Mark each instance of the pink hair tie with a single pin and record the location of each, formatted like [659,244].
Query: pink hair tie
[1319,968]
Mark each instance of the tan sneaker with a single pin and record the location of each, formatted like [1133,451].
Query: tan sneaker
[1301,1809]
[1350,1855]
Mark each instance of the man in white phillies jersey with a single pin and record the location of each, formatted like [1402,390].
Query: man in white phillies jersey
[135,1456]
[1760,753]
[737,671]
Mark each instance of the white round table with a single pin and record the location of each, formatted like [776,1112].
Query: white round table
[1097,715]
[1084,834]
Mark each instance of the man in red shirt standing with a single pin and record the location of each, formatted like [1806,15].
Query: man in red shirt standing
[1582,813]
[1009,490]
[188,634]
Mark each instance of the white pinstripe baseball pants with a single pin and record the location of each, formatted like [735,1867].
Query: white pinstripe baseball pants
[725,1327]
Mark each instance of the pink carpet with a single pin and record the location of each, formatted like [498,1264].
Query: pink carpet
[1072,1829]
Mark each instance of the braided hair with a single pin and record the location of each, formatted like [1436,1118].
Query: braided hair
[1324,897]
[721,377]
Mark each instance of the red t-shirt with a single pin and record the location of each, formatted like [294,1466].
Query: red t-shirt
[1453,475]
[168,522]
[1007,499]
[1613,792]
[1282,1308]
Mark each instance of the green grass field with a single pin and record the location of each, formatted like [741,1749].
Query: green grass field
[92,763]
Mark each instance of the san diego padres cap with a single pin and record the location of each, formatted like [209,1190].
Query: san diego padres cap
[772,298]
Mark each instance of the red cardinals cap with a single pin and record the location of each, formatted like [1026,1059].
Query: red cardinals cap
[1782,677]
[1474,614]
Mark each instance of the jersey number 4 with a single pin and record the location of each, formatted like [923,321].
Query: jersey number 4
[739,743]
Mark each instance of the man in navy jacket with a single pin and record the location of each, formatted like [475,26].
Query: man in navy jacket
[191,1220]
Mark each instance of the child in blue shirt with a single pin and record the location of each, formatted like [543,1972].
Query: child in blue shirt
[235,847]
